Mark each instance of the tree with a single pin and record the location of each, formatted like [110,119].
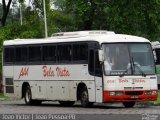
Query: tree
[5,11]
[134,17]
[87,14]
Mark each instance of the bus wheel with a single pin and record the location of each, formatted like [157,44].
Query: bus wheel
[128,104]
[84,98]
[66,103]
[28,96]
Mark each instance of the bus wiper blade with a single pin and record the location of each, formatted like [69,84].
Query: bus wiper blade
[139,68]
[135,64]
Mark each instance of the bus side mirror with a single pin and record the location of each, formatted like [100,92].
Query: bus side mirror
[155,57]
[101,55]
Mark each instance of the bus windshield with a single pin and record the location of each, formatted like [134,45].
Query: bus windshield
[128,59]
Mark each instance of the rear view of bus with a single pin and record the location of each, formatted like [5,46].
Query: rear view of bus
[129,71]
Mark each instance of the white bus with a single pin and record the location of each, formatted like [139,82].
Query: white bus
[90,66]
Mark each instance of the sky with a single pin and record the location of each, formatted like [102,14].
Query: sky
[26,1]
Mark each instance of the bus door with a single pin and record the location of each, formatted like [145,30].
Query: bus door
[96,70]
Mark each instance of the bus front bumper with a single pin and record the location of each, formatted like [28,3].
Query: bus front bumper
[130,96]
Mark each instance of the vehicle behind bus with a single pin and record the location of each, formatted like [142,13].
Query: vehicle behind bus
[156,52]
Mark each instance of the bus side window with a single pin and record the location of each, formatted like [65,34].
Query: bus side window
[91,62]
[64,53]
[21,54]
[75,52]
[83,51]
[9,55]
[34,53]
[80,52]
[49,53]
[94,63]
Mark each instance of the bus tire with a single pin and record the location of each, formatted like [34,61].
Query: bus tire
[84,98]
[128,104]
[28,96]
[66,103]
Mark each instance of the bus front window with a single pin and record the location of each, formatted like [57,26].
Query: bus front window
[127,59]
[142,56]
[116,59]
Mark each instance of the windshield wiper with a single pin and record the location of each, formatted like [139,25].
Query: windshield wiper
[139,68]
[135,64]
[132,66]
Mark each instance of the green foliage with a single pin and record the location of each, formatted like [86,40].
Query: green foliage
[2,97]
[135,17]
[15,30]
[125,17]
[28,34]
[157,102]
[59,22]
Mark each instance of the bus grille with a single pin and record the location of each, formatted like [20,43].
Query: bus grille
[134,92]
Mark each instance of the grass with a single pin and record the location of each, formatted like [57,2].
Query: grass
[2,97]
[158,100]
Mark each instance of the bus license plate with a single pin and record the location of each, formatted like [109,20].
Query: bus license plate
[134,96]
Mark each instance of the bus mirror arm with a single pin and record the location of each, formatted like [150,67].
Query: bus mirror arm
[101,55]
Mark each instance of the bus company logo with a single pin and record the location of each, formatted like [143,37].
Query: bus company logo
[23,72]
[48,72]
[62,72]
[59,72]
[123,80]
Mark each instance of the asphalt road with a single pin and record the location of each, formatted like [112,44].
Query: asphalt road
[16,109]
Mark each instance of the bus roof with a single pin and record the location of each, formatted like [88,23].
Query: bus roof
[99,36]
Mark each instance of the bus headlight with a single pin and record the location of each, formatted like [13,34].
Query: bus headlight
[151,92]
[112,93]
[117,93]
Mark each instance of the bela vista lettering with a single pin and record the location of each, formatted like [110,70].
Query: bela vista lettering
[23,72]
[48,72]
[59,72]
